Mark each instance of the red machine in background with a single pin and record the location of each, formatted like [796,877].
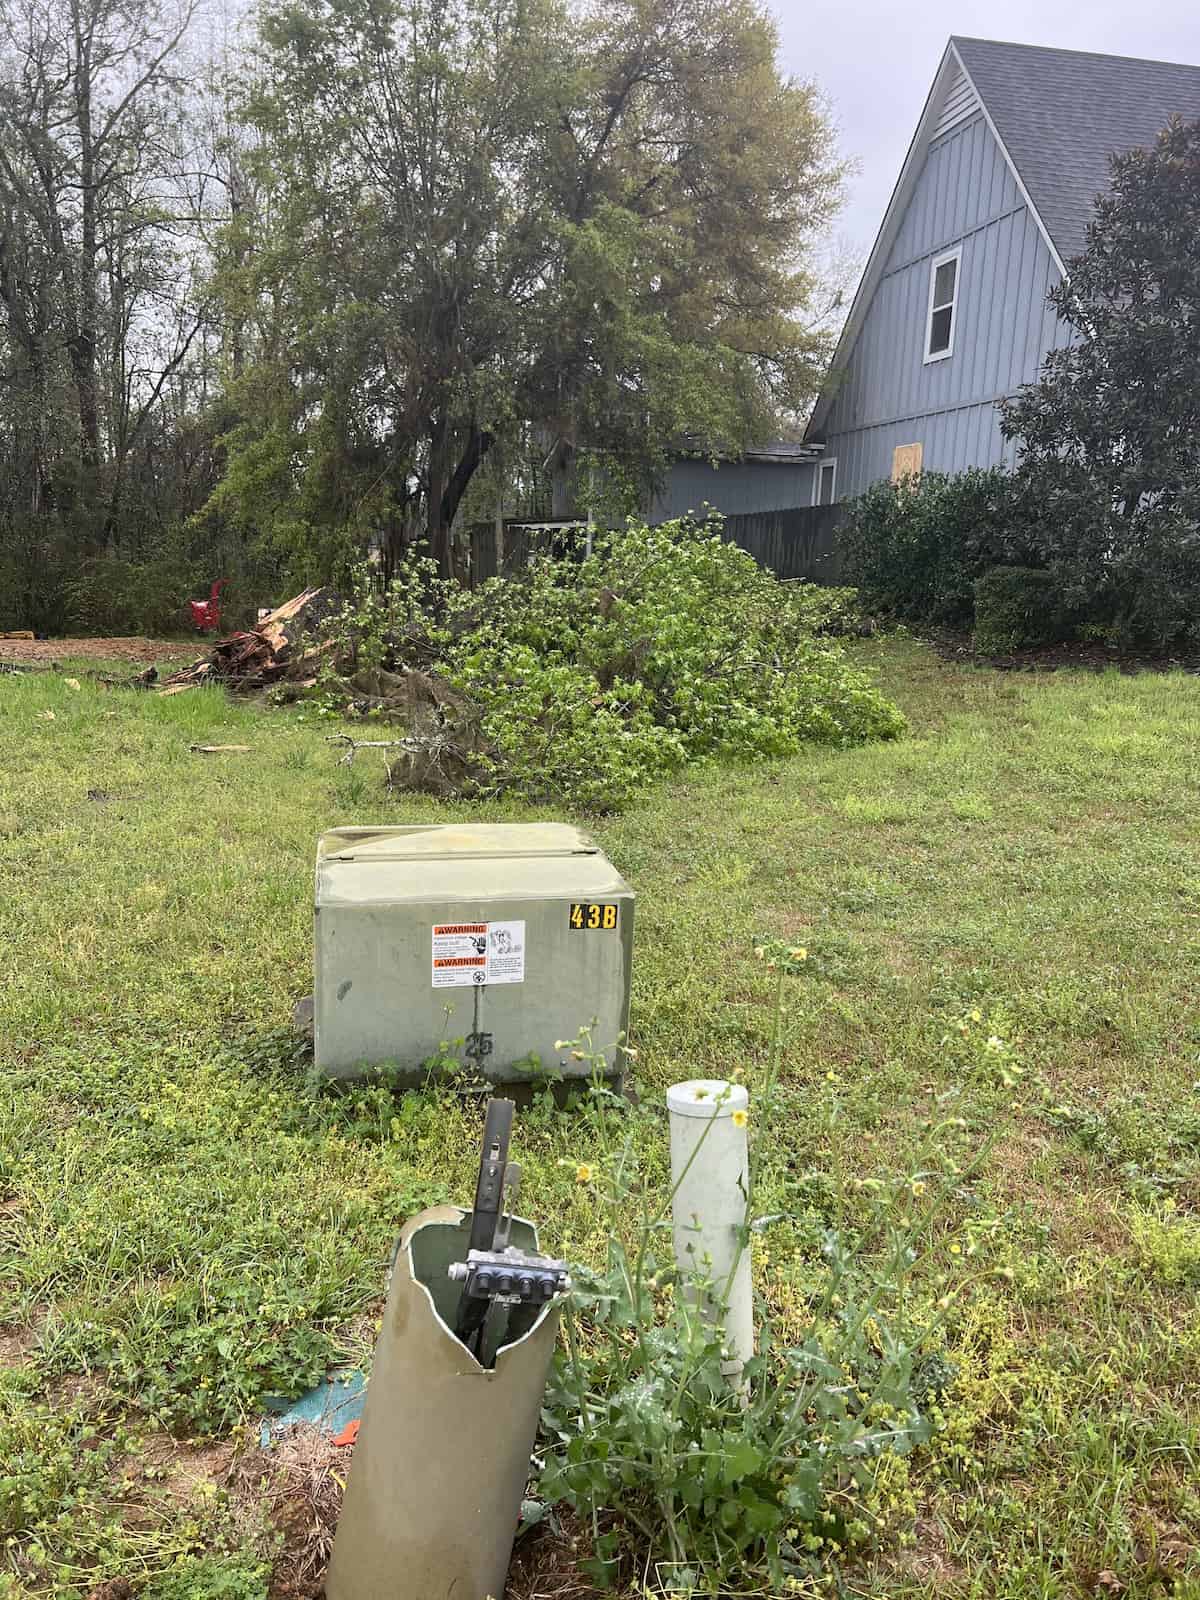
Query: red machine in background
[206,614]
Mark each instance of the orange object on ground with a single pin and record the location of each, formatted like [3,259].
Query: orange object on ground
[349,1433]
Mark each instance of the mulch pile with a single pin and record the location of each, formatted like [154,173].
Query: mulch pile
[1073,656]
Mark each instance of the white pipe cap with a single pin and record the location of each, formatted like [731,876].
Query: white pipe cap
[707,1097]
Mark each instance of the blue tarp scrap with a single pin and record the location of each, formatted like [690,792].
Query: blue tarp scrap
[337,1400]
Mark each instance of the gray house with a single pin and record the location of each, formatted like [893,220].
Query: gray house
[775,477]
[993,200]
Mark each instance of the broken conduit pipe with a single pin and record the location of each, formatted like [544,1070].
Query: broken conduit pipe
[441,1461]
[710,1183]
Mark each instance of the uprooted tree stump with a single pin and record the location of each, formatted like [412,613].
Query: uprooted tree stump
[441,748]
[442,744]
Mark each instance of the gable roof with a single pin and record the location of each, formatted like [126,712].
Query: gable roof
[1060,114]
[1057,116]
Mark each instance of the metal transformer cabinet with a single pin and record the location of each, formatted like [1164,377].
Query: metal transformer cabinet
[508,936]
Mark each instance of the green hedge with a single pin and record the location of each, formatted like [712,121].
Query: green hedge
[1017,608]
[914,551]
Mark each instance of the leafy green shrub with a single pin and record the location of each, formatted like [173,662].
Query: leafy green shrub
[36,563]
[210,1577]
[112,596]
[593,678]
[1016,608]
[915,550]
[1106,438]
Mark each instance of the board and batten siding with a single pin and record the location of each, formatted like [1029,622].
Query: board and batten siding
[734,487]
[966,198]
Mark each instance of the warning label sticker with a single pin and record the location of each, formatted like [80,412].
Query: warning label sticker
[466,953]
[506,952]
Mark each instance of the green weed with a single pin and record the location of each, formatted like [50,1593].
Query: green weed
[187,1224]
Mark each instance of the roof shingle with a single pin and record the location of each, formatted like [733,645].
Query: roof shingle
[1062,113]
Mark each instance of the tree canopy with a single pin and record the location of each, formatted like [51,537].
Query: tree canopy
[374,265]
[490,222]
[1107,439]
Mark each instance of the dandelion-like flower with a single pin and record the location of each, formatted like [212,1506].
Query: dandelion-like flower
[977,1016]
[584,1173]
[798,953]
[740,1118]
[918,1188]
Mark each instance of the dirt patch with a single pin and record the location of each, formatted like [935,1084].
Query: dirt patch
[929,1561]
[545,1563]
[298,1485]
[135,649]
[113,1589]
[15,1345]
[181,1469]
[1075,655]
[84,1392]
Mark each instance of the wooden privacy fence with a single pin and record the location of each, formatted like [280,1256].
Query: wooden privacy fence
[521,540]
[798,543]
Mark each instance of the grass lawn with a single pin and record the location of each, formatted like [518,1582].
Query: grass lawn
[186,1225]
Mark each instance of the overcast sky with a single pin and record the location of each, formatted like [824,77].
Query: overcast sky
[875,59]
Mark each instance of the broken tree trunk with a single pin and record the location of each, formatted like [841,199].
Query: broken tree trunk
[282,644]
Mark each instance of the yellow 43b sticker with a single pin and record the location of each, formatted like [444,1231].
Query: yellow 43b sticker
[587,914]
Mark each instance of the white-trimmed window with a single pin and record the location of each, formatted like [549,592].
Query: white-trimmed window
[825,483]
[944,273]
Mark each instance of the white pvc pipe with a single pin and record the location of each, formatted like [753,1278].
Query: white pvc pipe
[709,1208]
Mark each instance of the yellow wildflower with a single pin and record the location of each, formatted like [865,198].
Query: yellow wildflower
[583,1173]
[740,1118]
[918,1189]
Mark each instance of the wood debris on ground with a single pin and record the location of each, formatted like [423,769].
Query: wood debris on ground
[283,645]
[443,743]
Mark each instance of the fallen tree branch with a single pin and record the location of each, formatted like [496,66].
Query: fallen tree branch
[355,745]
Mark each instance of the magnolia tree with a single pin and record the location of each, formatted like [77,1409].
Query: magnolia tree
[1109,438]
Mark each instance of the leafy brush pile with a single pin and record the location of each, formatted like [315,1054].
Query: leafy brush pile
[591,678]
